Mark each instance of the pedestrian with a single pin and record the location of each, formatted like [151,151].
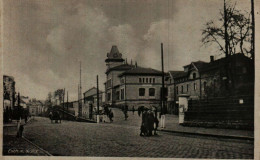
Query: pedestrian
[144,124]
[150,122]
[133,110]
[125,112]
[156,122]
[111,115]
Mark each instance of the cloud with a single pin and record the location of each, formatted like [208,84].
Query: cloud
[45,40]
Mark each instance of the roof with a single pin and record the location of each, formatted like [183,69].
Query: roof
[114,55]
[177,74]
[122,67]
[91,92]
[220,62]
[141,71]
[199,64]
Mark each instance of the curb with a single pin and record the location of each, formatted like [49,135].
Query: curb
[209,135]
[46,152]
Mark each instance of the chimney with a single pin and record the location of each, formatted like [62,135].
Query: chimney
[131,62]
[211,58]
[135,64]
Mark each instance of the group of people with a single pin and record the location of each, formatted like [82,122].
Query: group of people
[149,122]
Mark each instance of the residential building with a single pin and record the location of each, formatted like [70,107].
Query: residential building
[226,76]
[9,92]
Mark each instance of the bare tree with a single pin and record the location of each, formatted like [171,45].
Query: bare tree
[238,29]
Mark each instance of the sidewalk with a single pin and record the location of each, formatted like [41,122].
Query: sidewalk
[18,146]
[172,125]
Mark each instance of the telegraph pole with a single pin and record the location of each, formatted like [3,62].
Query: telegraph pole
[225,25]
[162,91]
[97,101]
[253,31]
[63,103]
[67,101]
[80,98]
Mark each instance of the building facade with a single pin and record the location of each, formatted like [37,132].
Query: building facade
[9,92]
[230,76]
[131,85]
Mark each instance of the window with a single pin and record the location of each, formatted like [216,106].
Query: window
[181,89]
[150,80]
[122,93]
[204,85]
[187,87]
[195,86]
[143,80]
[151,92]
[194,75]
[153,80]
[109,83]
[146,80]
[109,96]
[140,80]
[117,95]
[177,91]
[141,91]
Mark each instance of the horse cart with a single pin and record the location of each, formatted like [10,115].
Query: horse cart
[55,116]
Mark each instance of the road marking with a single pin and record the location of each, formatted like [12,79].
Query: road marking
[46,152]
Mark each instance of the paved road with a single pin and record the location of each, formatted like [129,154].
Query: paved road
[117,140]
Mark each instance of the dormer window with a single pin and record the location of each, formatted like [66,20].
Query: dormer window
[194,75]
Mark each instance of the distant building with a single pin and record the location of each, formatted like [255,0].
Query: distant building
[90,101]
[131,85]
[35,107]
[9,92]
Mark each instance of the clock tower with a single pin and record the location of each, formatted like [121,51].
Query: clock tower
[114,58]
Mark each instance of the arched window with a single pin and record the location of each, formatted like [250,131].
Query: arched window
[141,91]
[151,92]
[204,85]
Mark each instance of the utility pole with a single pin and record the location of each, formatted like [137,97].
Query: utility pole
[67,101]
[97,101]
[253,31]
[225,25]
[226,50]
[162,91]
[63,103]
[80,104]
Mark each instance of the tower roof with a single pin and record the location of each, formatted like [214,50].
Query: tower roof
[114,55]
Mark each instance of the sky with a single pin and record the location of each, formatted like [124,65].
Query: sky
[44,41]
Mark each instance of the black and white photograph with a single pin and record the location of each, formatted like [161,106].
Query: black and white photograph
[129,78]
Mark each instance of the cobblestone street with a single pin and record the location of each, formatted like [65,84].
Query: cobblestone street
[117,140]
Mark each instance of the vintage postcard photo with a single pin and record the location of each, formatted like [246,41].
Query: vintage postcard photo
[129,78]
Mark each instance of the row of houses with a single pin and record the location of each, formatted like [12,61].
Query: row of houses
[13,101]
[135,86]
